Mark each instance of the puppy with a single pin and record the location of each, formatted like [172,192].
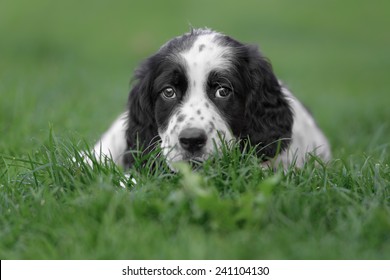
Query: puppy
[205,88]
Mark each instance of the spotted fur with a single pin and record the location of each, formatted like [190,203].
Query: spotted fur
[205,88]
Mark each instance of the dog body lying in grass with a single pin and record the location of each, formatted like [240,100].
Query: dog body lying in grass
[204,89]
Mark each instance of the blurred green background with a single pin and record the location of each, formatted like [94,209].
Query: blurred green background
[69,63]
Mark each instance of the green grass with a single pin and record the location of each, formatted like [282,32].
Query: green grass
[64,76]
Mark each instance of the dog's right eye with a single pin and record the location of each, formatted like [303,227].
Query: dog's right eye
[168,93]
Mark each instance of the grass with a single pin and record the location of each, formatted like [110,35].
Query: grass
[64,72]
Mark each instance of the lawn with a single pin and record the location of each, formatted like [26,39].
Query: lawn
[65,70]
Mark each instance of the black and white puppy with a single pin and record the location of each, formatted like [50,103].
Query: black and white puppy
[203,88]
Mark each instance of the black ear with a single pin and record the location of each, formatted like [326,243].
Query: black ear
[141,133]
[268,114]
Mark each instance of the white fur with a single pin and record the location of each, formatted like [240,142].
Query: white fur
[198,65]
[306,137]
[113,142]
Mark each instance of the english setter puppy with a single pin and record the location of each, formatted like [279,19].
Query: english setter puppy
[203,88]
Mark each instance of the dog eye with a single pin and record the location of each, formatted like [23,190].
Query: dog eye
[223,92]
[168,93]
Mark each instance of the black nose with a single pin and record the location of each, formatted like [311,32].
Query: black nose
[192,139]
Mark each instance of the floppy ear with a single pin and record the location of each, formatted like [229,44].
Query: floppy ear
[141,131]
[268,114]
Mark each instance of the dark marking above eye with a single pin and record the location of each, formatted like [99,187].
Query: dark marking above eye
[212,124]
[206,104]
[198,112]
[173,129]
[201,47]
[181,117]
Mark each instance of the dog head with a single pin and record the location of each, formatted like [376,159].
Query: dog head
[204,88]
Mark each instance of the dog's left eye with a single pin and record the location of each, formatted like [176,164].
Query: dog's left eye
[223,92]
[168,93]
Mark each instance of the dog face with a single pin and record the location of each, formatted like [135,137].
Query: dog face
[191,108]
[204,88]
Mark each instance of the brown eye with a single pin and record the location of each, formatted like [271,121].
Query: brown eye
[222,92]
[168,93]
